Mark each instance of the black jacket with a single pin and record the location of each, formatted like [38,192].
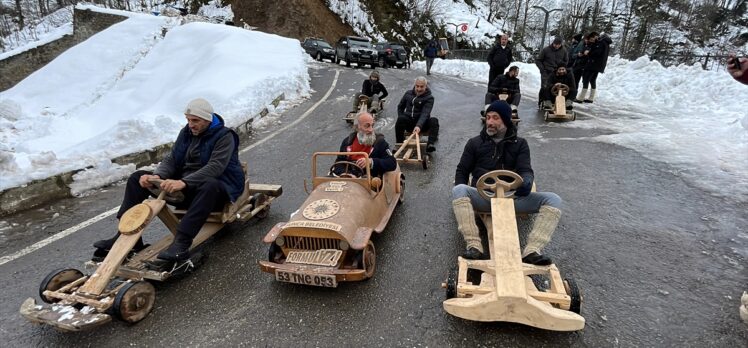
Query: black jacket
[499,57]
[504,81]
[482,155]
[597,59]
[370,89]
[550,58]
[380,154]
[415,107]
[568,80]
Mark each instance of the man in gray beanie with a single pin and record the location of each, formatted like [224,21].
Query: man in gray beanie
[548,60]
[203,165]
[499,147]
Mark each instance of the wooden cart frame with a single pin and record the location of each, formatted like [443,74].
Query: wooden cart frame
[376,110]
[505,291]
[413,150]
[119,283]
[503,97]
[559,112]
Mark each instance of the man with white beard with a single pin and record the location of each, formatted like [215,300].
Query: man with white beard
[364,139]
[499,147]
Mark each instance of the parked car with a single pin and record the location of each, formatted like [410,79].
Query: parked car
[319,49]
[391,54]
[354,49]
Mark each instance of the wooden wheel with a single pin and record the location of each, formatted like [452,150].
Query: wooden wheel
[490,184]
[134,301]
[57,279]
[259,199]
[572,289]
[564,89]
[370,260]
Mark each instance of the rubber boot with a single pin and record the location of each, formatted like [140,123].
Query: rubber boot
[542,229]
[465,216]
[581,96]
[592,96]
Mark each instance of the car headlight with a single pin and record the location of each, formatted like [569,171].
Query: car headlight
[343,245]
[280,241]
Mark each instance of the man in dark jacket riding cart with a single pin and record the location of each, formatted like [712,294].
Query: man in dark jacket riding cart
[499,147]
[203,165]
[414,114]
[371,87]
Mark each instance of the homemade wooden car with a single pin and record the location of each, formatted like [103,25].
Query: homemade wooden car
[503,96]
[505,291]
[119,285]
[328,240]
[376,110]
[413,150]
[559,112]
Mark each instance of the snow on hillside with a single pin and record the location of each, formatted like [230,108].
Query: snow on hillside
[690,118]
[355,14]
[480,31]
[124,90]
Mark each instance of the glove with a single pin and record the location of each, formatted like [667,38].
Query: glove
[524,190]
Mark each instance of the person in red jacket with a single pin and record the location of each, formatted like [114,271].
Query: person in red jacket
[738,68]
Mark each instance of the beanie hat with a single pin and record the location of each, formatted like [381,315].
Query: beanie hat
[504,110]
[578,37]
[374,74]
[558,40]
[200,108]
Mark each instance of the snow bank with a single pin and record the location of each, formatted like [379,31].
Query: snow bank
[124,91]
[693,119]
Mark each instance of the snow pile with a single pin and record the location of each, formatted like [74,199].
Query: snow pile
[694,119]
[124,91]
[355,14]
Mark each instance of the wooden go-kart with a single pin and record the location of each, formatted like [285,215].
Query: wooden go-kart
[558,111]
[413,150]
[328,240]
[119,284]
[505,291]
[503,95]
[376,110]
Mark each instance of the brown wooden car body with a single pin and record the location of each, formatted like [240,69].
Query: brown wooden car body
[338,217]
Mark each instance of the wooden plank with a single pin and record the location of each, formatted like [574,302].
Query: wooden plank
[169,219]
[268,189]
[461,270]
[509,270]
[403,146]
[417,144]
[557,284]
[560,299]
[560,106]
[207,231]
[73,298]
[150,252]
[408,154]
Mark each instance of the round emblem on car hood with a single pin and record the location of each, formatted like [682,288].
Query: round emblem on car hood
[321,209]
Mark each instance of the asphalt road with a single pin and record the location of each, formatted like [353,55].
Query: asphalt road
[660,263]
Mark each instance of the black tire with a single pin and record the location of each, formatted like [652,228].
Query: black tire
[134,301]
[56,280]
[402,190]
[452,284]
[274,252]
[572,289]
[318,56]
[347,60]
[425,161]
[336,59]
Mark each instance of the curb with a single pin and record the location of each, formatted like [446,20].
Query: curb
[41,191]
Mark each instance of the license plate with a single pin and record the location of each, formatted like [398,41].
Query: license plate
[323,280]
[364,56]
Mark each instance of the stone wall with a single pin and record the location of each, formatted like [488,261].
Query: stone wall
[86,23]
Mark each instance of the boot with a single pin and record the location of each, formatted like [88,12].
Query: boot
[179,250]
[592,96]
[581,96]
[105,245]
[547,105]
[545,223]
[465,216]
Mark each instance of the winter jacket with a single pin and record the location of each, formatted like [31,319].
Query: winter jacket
[568,80]
[579,62]
[430,50]
[500,57]
[504,81]
[371,88]
[598,56]
[550,58]
[380,154]
[213,153]
[482,155]
[416,107]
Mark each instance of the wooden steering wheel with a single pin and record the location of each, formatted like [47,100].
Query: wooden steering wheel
[492,185]
[171,198]
[562,87]
[349,170]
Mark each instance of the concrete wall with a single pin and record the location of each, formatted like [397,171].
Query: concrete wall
[86,23]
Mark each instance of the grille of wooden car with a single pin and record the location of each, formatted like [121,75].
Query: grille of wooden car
[311,243]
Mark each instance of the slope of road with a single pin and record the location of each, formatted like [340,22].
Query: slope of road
[657,260]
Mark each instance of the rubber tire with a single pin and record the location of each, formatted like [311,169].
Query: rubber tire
[336,59]
[347,60]
[117,306]
[318,56]
[572,289]
[273,249]
[402,189]
[65,276]
[451,284]
[425,161]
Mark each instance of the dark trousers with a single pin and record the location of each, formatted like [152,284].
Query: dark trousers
[199,201]
[545,80]
[405,123]
[578,72]
[429,63]
[589,78]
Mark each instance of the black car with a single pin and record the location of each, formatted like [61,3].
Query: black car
[354,49]
[319,49]
[391,54]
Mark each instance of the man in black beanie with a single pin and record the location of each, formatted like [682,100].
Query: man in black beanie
[499,147]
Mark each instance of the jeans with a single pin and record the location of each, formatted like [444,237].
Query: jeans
[529,204]
[429,63]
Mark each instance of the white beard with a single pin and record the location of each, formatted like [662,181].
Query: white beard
[366,139]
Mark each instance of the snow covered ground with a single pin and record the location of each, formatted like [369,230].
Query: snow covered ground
[124,90]
[692,119]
